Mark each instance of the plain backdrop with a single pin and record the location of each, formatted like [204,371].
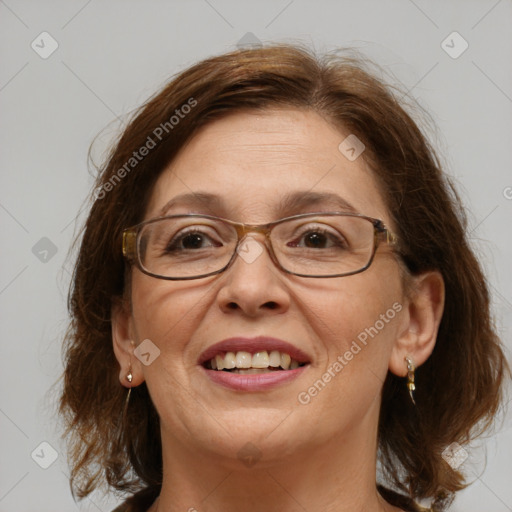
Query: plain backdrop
[109,57]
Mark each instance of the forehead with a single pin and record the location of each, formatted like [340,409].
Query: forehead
[255,166]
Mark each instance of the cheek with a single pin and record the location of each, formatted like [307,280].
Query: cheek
[355,317]
[167,312]
[356,324]
[354,321]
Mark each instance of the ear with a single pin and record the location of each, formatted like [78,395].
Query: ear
[124,344]
[423,311]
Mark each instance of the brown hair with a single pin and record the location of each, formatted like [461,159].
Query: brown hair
[458,388]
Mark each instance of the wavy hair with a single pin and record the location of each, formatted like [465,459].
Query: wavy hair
[459,388]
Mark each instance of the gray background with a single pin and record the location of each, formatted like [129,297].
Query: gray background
[111,57]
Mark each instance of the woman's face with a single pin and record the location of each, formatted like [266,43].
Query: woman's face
[251,162]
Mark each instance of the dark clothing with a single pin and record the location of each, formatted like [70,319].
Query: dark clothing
[141,501]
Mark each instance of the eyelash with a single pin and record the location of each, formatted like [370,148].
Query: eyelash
[177,239]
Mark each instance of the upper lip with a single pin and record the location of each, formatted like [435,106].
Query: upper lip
[253,345]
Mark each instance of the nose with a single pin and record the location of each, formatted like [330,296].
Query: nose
[253,284]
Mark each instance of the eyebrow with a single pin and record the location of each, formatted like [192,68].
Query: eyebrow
[289,204]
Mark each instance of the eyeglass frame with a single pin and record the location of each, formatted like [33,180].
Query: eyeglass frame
[381,233]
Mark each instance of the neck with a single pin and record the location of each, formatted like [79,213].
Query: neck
[337,475]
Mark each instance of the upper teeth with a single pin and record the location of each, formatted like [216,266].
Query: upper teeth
[261,359]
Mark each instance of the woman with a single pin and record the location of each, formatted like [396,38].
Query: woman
[274,297]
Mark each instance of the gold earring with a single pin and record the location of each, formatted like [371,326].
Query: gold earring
[129,378]
[410,377]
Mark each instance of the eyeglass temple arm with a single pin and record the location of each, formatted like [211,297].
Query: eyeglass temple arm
[391,238]
[385,234]
[129,243]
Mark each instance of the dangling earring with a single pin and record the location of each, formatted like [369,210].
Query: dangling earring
[410,377]
[129,378]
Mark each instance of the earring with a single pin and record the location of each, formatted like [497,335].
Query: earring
[129,378]
[410,377]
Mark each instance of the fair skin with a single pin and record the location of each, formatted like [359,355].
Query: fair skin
[319,456]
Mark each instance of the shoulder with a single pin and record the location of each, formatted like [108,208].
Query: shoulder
[417,508]
[129,506]
[401,502]
[414,507]
[139,502]
[121,508]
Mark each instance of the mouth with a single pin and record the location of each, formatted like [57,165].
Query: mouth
[251,356]
[247,363]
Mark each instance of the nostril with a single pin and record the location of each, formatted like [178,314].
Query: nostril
[269,305]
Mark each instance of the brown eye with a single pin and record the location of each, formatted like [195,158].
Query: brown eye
[315,240]
[318,238]
[189,241]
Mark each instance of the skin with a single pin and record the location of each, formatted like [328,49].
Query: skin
[319,456]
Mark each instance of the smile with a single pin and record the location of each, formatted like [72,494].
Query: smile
[253,364]
[243,362]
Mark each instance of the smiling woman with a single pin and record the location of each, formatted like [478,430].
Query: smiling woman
[292,234]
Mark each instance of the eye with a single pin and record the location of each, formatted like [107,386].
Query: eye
[316,239]
[319,238]
[191,239]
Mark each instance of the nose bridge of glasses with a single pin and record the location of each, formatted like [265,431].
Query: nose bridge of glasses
[260,233]
[243,230]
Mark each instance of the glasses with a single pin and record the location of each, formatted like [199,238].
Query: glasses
[192,246]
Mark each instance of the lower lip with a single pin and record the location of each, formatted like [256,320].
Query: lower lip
[255,381]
